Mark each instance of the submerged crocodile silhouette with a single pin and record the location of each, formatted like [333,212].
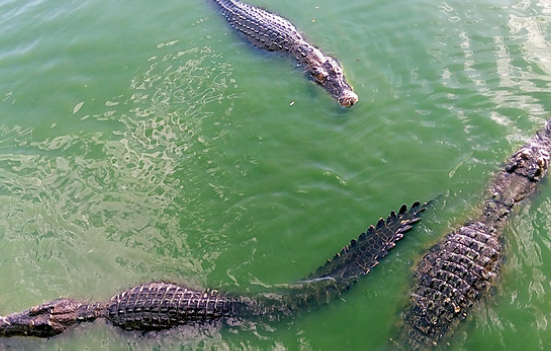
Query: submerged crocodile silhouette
[271,32]
[458,272]
[159,305]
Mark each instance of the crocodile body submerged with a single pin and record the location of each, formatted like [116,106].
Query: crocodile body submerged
[460,270]
[271,32]
[158,305]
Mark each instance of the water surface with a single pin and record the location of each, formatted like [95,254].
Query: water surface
[146,141]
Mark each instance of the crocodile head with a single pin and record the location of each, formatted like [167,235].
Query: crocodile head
[330,76]
[45,320]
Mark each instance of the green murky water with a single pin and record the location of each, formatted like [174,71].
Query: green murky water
[145,141]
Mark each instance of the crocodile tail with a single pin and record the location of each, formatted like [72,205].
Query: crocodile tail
[357,258]
[338,274]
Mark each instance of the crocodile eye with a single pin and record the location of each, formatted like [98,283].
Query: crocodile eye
[319,74]
[333,66]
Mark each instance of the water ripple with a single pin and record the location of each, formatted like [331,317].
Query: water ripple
[74,189]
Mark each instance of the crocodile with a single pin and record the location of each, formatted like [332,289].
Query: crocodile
[460,270]
[161,305]
[271,32]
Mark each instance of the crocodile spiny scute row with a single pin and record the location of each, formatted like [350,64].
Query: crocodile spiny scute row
[160,305]
[451,278]
[156,306]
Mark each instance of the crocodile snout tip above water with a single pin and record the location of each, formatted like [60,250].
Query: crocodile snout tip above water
[348,98]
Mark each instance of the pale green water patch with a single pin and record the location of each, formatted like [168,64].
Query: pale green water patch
[146,141]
